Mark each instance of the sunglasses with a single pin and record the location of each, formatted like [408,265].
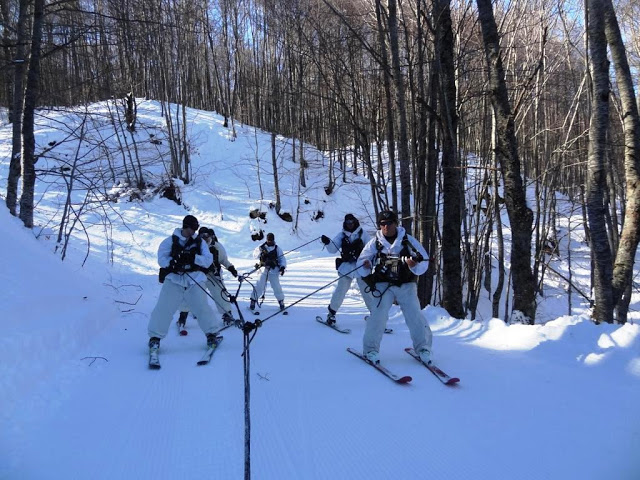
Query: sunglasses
[206,236]
[386,223]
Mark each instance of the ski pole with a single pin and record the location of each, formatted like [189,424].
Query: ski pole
[258,323]
[224,327]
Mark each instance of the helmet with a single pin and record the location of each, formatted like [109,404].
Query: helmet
[387,215]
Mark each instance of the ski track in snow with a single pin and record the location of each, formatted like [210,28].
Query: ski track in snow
[316,411]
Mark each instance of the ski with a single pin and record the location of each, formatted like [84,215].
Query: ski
[334,326]
[433,368]
[154,361]
[386,330]
[386,372]
[182,330]
[206,358]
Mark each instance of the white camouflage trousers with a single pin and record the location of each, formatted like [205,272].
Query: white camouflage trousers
[273,275]
[216,290]
[342,287]
[219,294]
[172,297]
[407,297]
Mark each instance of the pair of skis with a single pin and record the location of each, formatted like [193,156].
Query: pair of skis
[433,368]
[154,360]
[257,312]
[343,330]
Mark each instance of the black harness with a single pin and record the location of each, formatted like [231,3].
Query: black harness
[215,266]
[351,250]
[393,269]
[176,249]
[269,258]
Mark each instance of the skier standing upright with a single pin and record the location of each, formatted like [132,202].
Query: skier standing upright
[390,263]
[349,242]
[215,284]
[274,263]
[183,258]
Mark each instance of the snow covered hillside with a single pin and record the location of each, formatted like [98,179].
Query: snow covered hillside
[558,400]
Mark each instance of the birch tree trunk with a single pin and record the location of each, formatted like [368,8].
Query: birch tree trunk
[628,243]
[19,65]
[403,142]
[452,184]
[520,215]
[596,172]
[28,157]
[389,127]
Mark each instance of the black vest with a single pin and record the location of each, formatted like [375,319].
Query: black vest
[351,250]
[176,249]
[269,258]
[391,268]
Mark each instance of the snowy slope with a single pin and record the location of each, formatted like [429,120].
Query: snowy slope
[552,401]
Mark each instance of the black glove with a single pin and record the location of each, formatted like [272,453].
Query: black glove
[281,271]
[324,239]
[233,271]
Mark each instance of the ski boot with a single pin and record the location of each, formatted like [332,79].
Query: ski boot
[331,318]
[212,340]
[182,319]
[154,345]
[425,356]
[373,357]
[227,319]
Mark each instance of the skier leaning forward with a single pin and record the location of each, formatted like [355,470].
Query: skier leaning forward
[390,264]
[215,283]
[185,256]
[350,242]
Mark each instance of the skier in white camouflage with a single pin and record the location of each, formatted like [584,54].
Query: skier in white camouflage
[349,242]
[390,263]
[215,283]
[274,263]
[183,258]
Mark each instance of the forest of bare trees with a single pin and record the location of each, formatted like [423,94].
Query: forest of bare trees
[526,96]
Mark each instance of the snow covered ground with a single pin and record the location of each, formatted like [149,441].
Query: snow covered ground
[558,400]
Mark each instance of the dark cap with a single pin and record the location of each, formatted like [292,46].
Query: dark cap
[350,223]
[270,236]
[190,222]
[387,215]
[206,231]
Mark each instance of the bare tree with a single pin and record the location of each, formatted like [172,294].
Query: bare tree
[452,184]
[628,243]
[19,66]
[596,174]
[28,155]
[520,215]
